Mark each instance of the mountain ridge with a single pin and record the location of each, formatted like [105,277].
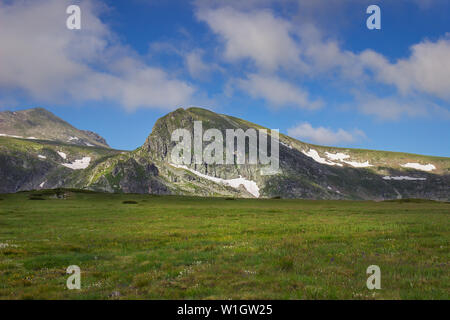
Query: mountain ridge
[306,170]
[39,123]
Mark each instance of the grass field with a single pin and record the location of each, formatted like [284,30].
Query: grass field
[168,247]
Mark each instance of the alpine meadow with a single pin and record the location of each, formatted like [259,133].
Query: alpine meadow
[224,158]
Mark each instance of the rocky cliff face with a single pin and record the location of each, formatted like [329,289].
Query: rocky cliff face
[305,171]
[95,137]
[159,145]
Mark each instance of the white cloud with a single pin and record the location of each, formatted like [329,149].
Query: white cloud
[426,70]
[393,107]
[323,135]
[195,64]
[254,32]
[236,4]
[389,108]
[48,62]
[197,67]
[256,35]
[277,46]
[40,57]
[325,56]
[277,92]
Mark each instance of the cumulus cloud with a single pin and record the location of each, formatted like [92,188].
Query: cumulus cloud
[389,108]
[321,135]
[276,45]
[394,108]
[270,44]
[42,58]
[256,35]
[197,67]
[277,92]
[426,70]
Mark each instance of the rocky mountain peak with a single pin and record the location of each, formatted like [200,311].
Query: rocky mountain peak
[39,123]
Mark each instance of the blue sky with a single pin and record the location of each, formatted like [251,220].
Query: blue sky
[310,68]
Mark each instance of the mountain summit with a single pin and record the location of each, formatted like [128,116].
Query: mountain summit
[41,124]
[305,170]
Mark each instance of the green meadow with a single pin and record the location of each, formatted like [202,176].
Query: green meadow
[171,247]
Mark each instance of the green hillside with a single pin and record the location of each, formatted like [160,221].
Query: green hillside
[306,171]
[132,246]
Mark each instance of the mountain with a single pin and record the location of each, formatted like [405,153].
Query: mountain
[39,150]
[27,164]
[305,170]
[39,123]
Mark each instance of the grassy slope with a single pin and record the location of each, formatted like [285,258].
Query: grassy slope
[22,157]
[33,147]
[378,158]
[184,247]
[386,163]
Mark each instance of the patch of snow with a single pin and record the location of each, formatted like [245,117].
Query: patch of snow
[73,138]
[249,185]
[62,154]
[342,156]
[8,135]
[286,145]
[358,164]
[418,166]
[42,184]
[315,156]
[78,163]
[41,156]
[19,137]
[337,156]
[88,144]
[402,178]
